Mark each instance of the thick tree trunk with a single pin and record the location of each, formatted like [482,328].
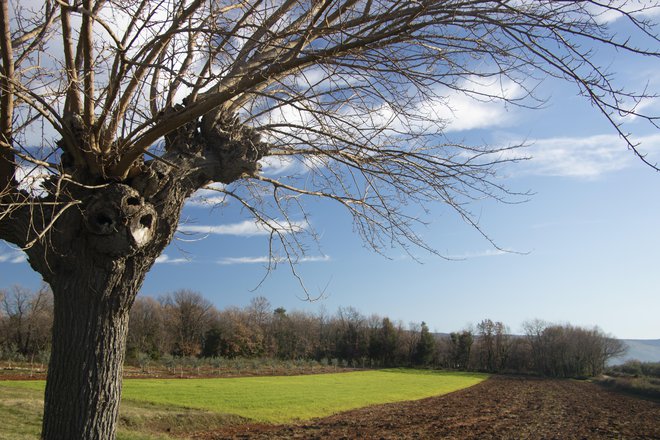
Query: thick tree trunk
[95,266]
[94,241]
[89,337]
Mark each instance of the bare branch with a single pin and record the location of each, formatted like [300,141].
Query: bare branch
[73,101]
[155,49]
[88,66]
[7,166]
[37,34]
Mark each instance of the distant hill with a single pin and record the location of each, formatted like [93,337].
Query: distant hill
[645,350]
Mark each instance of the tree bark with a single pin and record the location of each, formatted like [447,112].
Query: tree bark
[85,373]
[95,262]
[95,265]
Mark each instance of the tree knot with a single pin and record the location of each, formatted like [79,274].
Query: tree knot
[119,220]
[236,147]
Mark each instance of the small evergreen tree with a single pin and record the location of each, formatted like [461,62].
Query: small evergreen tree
[425,348]
[383,343]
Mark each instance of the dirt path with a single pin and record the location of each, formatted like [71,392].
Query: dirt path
[499,408]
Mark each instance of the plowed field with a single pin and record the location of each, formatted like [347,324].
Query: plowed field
[499,408]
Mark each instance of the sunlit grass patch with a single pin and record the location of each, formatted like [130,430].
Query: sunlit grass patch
[291,398]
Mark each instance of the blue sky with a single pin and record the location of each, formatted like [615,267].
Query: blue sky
[586,244]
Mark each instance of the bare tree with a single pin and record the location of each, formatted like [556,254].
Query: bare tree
[259,312]
[237,336]
[113,112]
[493,345]
[351,334]
[534,332]
[187,315]
[408,340]
[570,351]
[29,316]
[146,332]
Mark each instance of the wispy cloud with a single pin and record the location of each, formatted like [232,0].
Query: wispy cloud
[209,196]
[477,254]
[476,103]
[265,260]
[583,157]
[165,259]
[481,107]
[246,228]
[13,257]
[621,8]
[649,105]
[278,165]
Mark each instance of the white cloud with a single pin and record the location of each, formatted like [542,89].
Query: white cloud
[477,254]
[165,259]
[476,103]
[31,177]
[584,157]
[209,196]
[645,106]
[266,260]
[13,257]
[245,260]
[246,228]
[637,8]
[466,113]
[481,107]
[317,259]
[278,165]
[314,75]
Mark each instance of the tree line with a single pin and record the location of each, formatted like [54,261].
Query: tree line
[187,325]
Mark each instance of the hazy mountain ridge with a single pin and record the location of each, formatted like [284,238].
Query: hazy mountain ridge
[645,350]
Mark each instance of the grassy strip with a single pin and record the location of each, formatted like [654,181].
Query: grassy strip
[178,406]
[648,387]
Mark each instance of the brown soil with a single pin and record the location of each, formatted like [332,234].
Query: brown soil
[499,408]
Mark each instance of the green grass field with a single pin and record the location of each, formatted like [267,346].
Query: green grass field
[154,405]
